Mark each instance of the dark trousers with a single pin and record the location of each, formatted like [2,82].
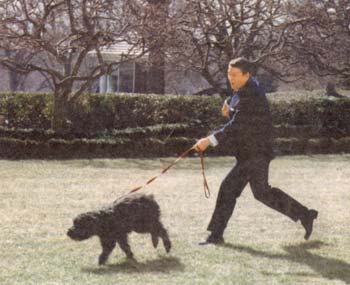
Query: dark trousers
[255,171]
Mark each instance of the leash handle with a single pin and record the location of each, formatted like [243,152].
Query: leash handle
[205,182]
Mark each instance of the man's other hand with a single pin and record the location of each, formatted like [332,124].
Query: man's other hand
[225,110]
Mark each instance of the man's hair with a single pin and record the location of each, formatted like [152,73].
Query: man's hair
[242,63]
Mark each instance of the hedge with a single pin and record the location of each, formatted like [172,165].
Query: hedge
[129,125]
[91,148]
[156,131]
[25,110]
[162,132]
[96,113]
[126,148]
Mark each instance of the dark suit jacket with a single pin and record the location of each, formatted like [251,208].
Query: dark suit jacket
[250,123]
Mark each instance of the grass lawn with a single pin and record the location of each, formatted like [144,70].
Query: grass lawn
[38,200]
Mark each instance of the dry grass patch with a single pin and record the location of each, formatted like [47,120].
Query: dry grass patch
[38,199]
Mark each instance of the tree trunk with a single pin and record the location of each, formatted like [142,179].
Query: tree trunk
[14,80]
[156,75]
[331,91]
[60,122]
[14,77]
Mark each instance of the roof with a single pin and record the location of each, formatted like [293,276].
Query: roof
[119,50]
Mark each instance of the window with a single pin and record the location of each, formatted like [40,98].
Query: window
[122,79]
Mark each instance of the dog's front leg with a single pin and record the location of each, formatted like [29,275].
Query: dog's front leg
[124,245]
[107,247]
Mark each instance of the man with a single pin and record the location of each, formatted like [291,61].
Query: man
[250,123]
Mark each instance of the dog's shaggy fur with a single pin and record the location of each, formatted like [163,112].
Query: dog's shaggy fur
[133,212]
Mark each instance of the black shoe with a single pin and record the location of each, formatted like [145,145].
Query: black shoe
[213,239]
[308,222]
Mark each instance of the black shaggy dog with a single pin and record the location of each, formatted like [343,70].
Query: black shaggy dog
[133,212]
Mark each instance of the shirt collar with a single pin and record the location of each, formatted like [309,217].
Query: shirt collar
[251,83]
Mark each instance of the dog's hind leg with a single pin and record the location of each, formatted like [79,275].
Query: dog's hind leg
[155,239]
[124,245]
[164,235]
[107,247]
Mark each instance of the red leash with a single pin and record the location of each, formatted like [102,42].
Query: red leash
[205,182]
[183,155]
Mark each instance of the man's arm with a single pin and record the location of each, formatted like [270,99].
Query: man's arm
[232,128]
[229,129]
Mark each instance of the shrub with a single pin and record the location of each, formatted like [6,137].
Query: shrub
[101,113]
[27,110]
[130,125]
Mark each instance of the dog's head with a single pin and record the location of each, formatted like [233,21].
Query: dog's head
[84,226]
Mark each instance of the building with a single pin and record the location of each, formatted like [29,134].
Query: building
[126,77]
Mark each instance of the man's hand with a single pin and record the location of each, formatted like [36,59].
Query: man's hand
[202,144]
[225,110]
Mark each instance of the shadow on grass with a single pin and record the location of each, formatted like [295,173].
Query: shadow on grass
[327,267]
[163,264]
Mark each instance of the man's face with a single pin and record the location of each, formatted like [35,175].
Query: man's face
[237,78]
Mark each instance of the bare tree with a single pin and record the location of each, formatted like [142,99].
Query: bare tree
[323,44]
[154,34]
[209,33]
[16,80]
[158,12]
[59,35]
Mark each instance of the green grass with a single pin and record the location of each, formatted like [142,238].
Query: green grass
[38,200]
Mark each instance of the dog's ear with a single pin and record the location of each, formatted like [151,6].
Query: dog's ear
[86,220]
[92,221]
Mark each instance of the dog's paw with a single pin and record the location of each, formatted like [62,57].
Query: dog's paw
[102,260]
[132,262]
[155,240]
[167,245]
